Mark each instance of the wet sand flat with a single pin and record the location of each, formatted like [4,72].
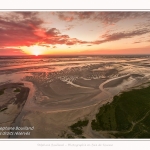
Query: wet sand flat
[59,92]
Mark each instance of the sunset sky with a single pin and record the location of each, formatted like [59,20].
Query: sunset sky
[72,32]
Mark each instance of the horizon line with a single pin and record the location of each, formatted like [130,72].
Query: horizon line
[71,55]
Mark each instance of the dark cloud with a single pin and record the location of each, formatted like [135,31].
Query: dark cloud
[121,35]
[61,39]
[65,16]
[54,36]
[18,32]
[114,17]
[70,16]
[47,46]
[53,32]
[84,15]
[12,51]
[142,40]
[54,47]
[26,14]
[104,17]
[69,27]
[72,41]
[57,38]
[137,42]
[25,29]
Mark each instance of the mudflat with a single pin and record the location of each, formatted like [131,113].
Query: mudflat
[65,93]
[12,99]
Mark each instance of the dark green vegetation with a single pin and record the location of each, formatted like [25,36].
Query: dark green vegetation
[69,136]
[77,127]
[17,90]
[65,135]
[127,116]
[2,91]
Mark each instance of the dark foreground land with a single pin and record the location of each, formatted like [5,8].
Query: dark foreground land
[12,99]
[18,99]
[127,116]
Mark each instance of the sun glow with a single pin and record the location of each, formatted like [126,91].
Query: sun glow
[49,50]
[34,50]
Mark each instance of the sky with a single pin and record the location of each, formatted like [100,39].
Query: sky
[74,32]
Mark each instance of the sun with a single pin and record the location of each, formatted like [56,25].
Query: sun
[36,53]
[34,50]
